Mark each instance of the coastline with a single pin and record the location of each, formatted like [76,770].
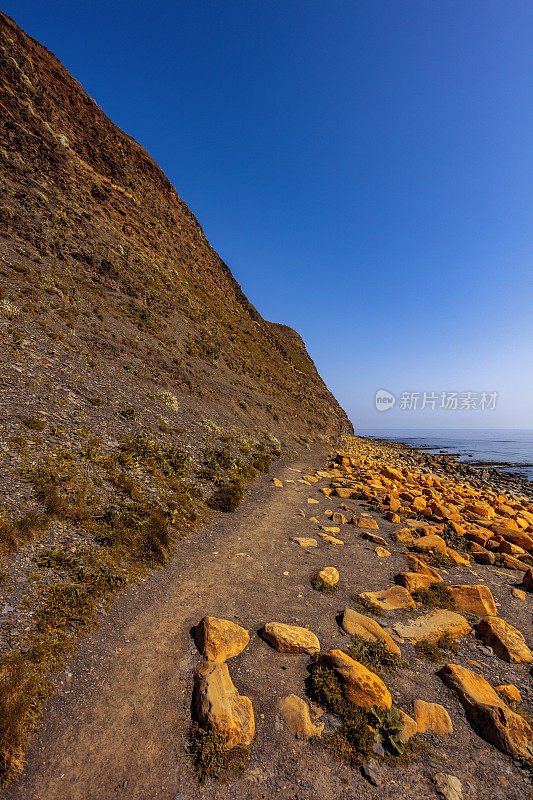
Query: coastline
[479,473]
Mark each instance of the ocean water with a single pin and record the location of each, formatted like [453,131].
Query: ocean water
[504,446]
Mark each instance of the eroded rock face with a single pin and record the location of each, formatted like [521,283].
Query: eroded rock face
[475,599]
[359,685]
[390,599]
[219,707]
[295,712]
[503,728]
[433,625]
[290,638]
[506,641]
[431,717]
[359,625]
[220,639]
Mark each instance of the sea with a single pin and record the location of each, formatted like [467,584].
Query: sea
[507,449]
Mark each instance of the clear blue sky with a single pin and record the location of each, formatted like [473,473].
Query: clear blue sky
[364,167]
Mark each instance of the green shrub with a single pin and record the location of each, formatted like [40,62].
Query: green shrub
[437,595]
[228,496]
[366,605]
[375,655]
[211,756]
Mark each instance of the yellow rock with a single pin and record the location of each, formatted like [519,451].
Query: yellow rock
[431,717]
[295,712]
[361,625]
[381,552]
[503,728]
[326,491]
[410,728]
[339,519]
[404,536]
[506,641]
[219,707]
[310,478]
[344,492]
[416,564]
[359,685]
[304,541]
[432,626]
[290,638]
[518,593]
[458,560]
[475,599]
[277,482]
[414,580]
[330,530]
[311,500]
[219,639]
[509,693]
[365,522]
[329,539]
[390,599]
[431,542]
[314,519]
[329,575]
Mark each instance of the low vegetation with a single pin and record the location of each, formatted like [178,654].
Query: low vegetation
[437,595]
[211,756]
[375,655]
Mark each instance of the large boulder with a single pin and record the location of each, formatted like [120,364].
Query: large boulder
[219,707]
[417,564]
[359,685]
[431,542]
[507,642]
[219,639]
[295,712]
[475,599]
[503,728]
[290,638]
[414,580]
[360,625]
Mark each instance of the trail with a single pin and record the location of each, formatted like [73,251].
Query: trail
[118,727]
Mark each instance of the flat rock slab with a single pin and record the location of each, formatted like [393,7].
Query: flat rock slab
[357,624]
[295,712]
[219,707]
[433,626]
[507,641]
[290,638]
[304,541]
[474,599]
[431,717]
[391,599]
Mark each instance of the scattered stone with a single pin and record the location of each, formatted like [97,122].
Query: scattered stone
[314,519]
[220,639]
[431,717]
[457,558]
[431,542]
[404,536]
[503,728]
[373,537]
[432,626]
[397,597]
[448,786]
[382,552]
[509,693]
[518,593]
[219,707]
[414,580]
[343,492]
[507,642]
[527,580]
[361,625]
[329,575]
[339,519]
[476,599]
[410,728]
[328,538]
[311,500]
[359,685]
[277,482]
[290,638]
[365,522]
[330,529]
[295,712]
[483,556]
[304,541]
[416,564]
[371,772]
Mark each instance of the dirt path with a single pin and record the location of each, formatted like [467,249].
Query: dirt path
[118,728]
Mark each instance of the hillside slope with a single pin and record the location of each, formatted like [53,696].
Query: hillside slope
[140,389]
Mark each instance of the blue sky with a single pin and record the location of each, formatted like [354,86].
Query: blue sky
[364,167]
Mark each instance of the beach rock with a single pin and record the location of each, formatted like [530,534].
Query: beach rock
[414,580]
[219,707]
[483,556]
[431,717]
[397,597]
[360,625]
[416,564]
[344,492]
[457,558]
[432,626]
[359,685]
[430,542]
[365,522]
[373,537]
[219,639]
[304,541]
[503,728]
[338,518]
[410,728]
[518,593]
[329,575]
[295,712]
[312,501]
[290,638]
[510,562]
[509,693]
[507,642]
[448,786]
[475,599]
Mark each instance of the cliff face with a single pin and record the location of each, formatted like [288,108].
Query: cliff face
[102,264]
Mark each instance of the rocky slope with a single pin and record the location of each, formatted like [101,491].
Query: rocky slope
[140,389]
